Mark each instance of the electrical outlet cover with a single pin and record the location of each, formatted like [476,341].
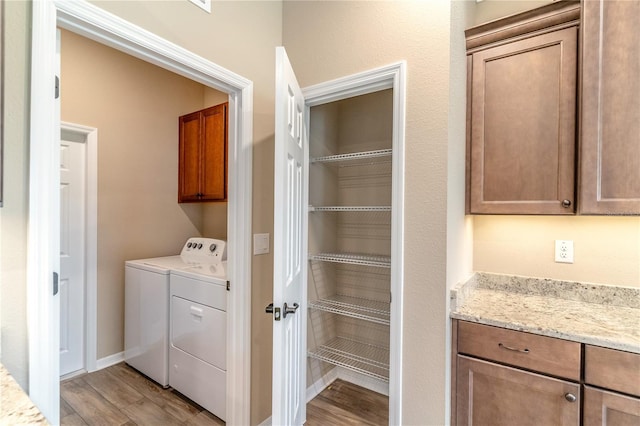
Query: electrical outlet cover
[564,251]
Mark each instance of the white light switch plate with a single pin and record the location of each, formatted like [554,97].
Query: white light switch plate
[260,244]
[564,251]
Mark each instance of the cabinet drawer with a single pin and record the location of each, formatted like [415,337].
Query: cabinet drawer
[539,353]
[612,369]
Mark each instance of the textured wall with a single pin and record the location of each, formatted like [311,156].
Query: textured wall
[326,40]
[135,107]
[14,212]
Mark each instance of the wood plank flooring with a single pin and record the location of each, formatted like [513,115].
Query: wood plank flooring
[119,395]
[343,403]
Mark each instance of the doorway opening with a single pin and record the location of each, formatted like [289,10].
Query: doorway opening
[78,248]
[43,256]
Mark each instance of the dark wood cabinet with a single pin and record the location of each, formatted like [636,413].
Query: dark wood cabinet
[612,387]
[506,377]
[530,88]
[604,408]
[523,113]
[202,169]
[492,394]
[610,108]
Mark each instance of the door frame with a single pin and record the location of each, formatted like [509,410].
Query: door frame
[392,76]
[92,22]
[90,137]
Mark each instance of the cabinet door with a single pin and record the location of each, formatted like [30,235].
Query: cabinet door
[189,161]
[602,408]
[523,98]
[214,153]
[610,124]
[491,394]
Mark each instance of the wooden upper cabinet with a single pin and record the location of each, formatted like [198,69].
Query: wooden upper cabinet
[203,155]
[610,108]
[523,82]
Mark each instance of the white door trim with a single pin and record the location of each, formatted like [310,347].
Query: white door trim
[387,77]
[90,137]
[92,22]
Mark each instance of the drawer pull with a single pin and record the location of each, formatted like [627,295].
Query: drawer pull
[509,348]
[196,312]
[570,397]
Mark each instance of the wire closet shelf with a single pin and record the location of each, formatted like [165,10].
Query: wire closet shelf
[355,307]
[353,259]
[370,360]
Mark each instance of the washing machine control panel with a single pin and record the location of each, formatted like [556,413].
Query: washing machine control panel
[204,250]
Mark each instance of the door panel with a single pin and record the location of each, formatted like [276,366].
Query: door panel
[72,255]
[290,197]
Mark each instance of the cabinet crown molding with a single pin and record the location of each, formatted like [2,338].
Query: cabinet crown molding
[536,20]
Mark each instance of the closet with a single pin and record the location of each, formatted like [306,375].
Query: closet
[349,241]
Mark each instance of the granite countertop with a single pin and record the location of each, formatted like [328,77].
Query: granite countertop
[600,315]
[15,406]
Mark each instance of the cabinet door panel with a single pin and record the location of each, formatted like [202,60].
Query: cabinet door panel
[523,125]
[491,394]
[214,154]
[189,175]
[610,124]
[602,408]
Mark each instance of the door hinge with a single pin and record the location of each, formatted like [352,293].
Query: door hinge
[55,283]
[57,92]
[228,286]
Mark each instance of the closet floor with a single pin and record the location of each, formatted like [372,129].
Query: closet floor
[119,395]
[343,403]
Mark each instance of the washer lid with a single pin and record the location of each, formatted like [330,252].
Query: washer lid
[212,273]
[158,264]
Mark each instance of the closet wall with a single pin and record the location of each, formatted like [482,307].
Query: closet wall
[349,231]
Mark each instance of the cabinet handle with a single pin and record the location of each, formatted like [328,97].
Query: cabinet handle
[566,203]
[570,397]
[509,348]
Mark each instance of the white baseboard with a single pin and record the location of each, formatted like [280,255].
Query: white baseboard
[110,360]
[366,382]
[321,384]
[266,422]
[73,374]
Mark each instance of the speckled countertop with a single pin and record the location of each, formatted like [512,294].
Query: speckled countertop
[596,314]
[15,406]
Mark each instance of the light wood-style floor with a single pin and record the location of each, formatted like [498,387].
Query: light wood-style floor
[343,403]
[119,395]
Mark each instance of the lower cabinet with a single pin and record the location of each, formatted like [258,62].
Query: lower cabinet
[604,408]
[493,394]
[508,377]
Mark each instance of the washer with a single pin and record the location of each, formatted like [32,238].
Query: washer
[198,330]
[147,289]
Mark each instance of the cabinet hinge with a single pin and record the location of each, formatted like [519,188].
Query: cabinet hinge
[228,286]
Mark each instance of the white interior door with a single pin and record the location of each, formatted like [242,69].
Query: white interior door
[72,255]
[289,278]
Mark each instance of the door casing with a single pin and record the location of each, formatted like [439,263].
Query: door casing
[89,135]
[393,77]
[92,22]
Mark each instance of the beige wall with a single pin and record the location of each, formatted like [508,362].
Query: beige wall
[13,228]
[606,249]
[240,36]
[488,10]
[326,40]
[135,107]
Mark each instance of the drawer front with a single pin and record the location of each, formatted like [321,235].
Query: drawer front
[538,353]
[612,369]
